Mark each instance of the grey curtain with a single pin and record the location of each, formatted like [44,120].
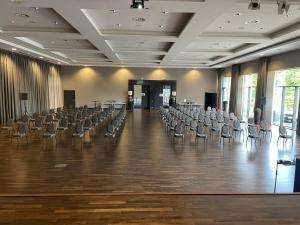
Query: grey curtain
[235,72]
[261,88]
[40,80]
[219,87]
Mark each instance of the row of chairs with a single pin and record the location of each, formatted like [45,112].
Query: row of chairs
[116,125]
[78,122]
[227,126]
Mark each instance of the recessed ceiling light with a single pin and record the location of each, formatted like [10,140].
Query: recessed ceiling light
[41,57]
[56,23]
[36,8]
[254,21]
[118,25]
[261,54]
[14,49]
[165,12]
[161,26]
[113,10]
[238,14]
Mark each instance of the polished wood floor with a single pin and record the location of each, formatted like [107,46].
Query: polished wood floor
[145,178]
[144,160]
[151,209]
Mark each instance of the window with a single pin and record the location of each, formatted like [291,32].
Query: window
[286,97]
[248,95]
[226,84]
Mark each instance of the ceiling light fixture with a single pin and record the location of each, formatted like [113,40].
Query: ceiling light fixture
[14,49]
[161,26]
[137,4]
[113,10]
[238,14]
[118,25]
[254,5]
[56,23]
[165,12]
[41,57]
[283,6]
[253,22]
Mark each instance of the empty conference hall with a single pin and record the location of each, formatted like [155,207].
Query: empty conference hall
[149,112]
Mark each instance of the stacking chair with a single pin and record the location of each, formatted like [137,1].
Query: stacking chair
[201,118]
[111,131]
[188,121]
[253,134]
[237,129]
[265,129]
[231,116]
[243,122]
[207,122]
[225,133]
[193,125]
[88,127]
[22,132]
[37,126]
[50,134]
[214,128]
[284,135]
[226,120]
[201,133]
[78,133]
[63,126]
[8,127]
[178,132]
[172,125]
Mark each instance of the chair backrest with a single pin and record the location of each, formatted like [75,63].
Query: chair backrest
[215,124]
[250,120]
[87,122]
[226,120]
[263,124]
[201,129]
[79,128]
[231,115]
[236,124]
[38,122]
[51,128]
[207,121]
[23,128]
[173,123]
[25,119]
[282,130]
[252,130]
[178,129]
[194,124]
[225,130]
[201,117]
[64,122]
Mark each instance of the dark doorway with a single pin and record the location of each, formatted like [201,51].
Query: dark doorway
[154,93]
[69,98]
[210,100]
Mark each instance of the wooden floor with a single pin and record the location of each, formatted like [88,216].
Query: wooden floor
[146,179]
[151,209]
[144,160]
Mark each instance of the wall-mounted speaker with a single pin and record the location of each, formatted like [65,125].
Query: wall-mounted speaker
[23,96]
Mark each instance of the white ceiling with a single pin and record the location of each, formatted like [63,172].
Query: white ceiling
[168,33]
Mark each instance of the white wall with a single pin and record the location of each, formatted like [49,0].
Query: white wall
[107,83]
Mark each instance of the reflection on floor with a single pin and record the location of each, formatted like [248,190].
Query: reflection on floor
[145,160]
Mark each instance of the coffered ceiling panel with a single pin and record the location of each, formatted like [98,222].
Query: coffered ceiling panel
[33,18]
[134,21]
[139,45]
[176,33]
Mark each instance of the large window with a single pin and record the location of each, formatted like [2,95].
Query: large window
[226,84]
[248,95]
[286,97]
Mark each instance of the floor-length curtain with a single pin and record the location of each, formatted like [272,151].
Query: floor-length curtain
[219,87]
[235,72]
[261,89]
[21,74]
